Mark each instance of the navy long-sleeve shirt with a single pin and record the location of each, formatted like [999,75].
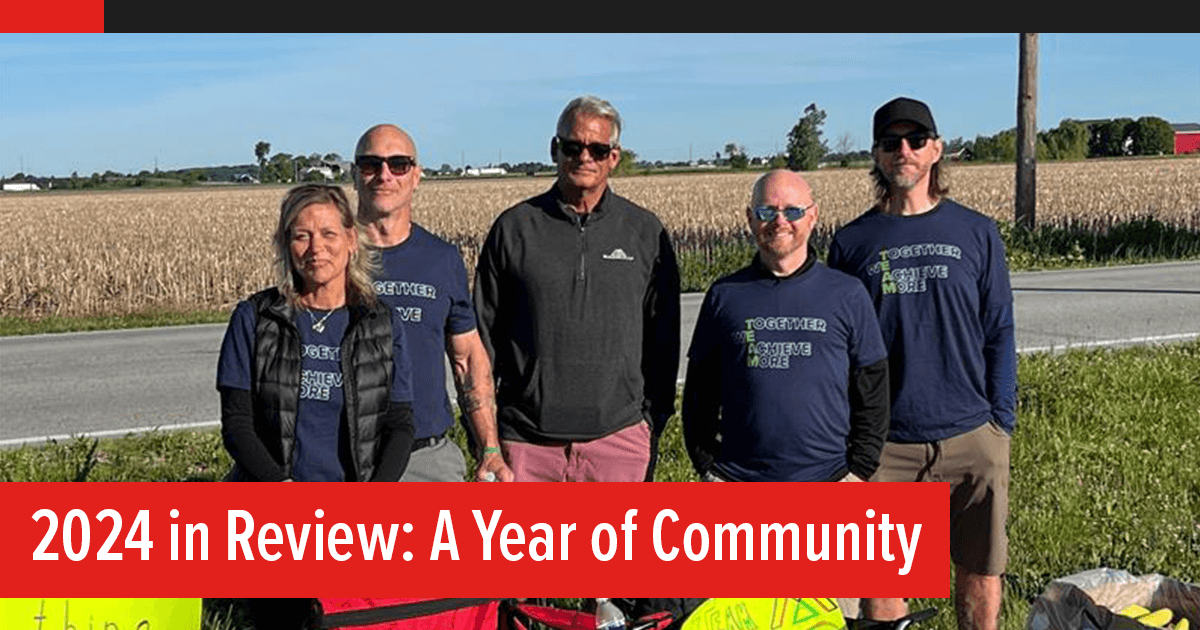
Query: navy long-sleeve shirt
[941,289]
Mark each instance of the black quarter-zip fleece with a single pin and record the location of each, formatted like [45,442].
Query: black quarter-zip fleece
[580,316]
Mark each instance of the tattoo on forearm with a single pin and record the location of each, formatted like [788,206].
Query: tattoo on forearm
[473,393]
[469,402]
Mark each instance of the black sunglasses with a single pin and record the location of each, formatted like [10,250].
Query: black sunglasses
[574,148]
[766,214]
[916,140]
[371,164]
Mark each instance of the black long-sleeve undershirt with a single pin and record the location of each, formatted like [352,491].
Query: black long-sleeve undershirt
[870,414]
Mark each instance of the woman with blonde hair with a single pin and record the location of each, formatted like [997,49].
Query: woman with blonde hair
[314,374]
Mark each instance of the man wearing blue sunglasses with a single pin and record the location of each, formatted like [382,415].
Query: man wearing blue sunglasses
[936,272]
[787,373]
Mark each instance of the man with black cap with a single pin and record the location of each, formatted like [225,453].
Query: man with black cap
[937,275]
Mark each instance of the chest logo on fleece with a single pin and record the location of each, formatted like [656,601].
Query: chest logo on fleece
[617,254]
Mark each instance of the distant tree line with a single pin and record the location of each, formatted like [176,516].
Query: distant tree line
[113,180]
[1076,140]
[285,168]
[527,168]
[1070,140]
[628,164]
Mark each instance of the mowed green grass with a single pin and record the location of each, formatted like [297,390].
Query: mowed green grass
[13,325]
[1105,470]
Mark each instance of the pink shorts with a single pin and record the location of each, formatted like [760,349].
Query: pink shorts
[620,456]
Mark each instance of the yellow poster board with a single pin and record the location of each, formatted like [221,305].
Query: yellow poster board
[767,613]
[51,613]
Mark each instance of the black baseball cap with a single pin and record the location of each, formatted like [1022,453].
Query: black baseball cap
[903,109]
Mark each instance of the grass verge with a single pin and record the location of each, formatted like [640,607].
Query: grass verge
[1104,471]
[10,326]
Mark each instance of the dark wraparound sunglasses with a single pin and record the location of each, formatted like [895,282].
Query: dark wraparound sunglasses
[574,148]
[916,140]
[766,214]
[371,164]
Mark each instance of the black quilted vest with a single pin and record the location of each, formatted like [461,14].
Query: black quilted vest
[366,378]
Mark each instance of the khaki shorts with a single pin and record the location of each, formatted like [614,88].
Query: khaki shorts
[976,465]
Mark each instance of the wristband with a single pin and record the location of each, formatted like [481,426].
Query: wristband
[489,450]
[710,476]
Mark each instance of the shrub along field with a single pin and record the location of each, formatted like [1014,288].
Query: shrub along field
[182,251]
[1105,470]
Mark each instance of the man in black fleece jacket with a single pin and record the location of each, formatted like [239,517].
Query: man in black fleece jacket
[577,293]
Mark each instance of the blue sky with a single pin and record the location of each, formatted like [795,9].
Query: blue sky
[97,102]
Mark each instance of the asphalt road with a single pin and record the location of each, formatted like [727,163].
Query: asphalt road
[113,382]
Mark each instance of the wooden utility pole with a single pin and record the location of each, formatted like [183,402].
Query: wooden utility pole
[1026,193]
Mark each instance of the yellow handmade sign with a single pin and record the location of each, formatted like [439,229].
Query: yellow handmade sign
[766,613]
[50,613]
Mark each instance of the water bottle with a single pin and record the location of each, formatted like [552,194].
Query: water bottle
[608,616]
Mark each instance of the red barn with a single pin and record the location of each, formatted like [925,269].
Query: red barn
[1187,138]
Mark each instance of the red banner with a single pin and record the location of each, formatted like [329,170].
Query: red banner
[474,540]
[62,16]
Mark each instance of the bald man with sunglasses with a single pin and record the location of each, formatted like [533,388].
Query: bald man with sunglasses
[423,278]
[577,292]
[787,373]
[937,274]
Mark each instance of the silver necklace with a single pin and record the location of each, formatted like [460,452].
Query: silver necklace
[318,324]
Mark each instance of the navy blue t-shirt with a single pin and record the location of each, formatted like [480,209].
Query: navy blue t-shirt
[424,282]
[785,349]
[319,416]
[941,289]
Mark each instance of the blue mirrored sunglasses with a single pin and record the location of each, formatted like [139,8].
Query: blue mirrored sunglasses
[767,214]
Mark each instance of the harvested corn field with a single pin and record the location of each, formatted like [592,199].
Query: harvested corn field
[204,248]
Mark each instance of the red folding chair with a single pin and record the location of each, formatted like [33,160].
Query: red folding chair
[516,615]
[406,613]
